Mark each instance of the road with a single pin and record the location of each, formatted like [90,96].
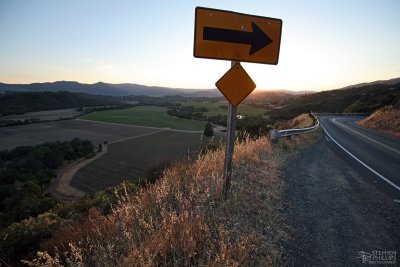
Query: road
[338,211]
[376,151]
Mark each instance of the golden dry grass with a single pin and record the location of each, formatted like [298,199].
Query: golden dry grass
[302,121]
[182,220]
[386,119]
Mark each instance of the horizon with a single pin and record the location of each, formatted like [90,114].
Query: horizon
[177,88]
[325,46]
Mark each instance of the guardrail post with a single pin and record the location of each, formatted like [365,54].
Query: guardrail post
[273,134]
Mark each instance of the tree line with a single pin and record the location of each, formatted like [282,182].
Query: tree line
[26,173]
[23,102]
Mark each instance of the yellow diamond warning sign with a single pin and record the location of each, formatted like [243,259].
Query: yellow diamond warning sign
[236,85]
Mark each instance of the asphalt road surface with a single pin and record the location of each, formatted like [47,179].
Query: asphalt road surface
[340,212]
[376,151]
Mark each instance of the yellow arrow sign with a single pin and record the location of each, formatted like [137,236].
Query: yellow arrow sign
[221,34]
[236,85]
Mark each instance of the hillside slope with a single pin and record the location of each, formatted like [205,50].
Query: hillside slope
[181,220]
[364,99]
[386,119]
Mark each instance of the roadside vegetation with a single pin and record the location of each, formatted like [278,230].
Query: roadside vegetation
[182,219]
[386,119]
[299,122]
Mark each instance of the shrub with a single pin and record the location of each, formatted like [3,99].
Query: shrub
[208,129]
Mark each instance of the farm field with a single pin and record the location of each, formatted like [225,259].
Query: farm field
[38,133]
[150,116]
[214,108]
[130,159]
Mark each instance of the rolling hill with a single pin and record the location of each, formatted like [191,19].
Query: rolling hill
[361,99]
[101,88]
[125,89]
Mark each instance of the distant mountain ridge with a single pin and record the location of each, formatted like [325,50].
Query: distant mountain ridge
[387,82]
[122,89]
[108,89]
[125,89]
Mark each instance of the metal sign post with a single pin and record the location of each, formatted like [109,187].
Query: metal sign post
[230,143]
[227,35]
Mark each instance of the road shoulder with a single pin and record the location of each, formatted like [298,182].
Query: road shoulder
[333,213]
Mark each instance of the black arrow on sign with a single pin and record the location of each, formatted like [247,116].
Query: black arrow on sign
[257,38]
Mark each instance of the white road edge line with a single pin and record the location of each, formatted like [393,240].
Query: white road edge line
[362,163]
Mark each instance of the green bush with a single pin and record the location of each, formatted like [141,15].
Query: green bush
[208,129]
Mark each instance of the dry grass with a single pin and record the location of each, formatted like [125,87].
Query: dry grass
[301,121]
[182,220]
[386,119]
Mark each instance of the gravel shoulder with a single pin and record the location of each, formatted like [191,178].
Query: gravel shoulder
[334,210]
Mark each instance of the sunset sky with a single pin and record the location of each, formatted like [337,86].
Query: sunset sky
[325,44]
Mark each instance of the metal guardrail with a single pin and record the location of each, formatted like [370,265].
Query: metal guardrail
[284,133]
[339,114]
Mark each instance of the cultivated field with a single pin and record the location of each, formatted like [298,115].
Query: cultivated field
[214,108]
[146,116]
[38,133]
[130,159]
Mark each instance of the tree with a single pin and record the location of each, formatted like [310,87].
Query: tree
[208,130]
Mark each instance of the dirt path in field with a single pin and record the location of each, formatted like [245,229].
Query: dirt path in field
[336,214]
[61,188]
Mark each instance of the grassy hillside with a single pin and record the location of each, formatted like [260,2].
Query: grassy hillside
[363,99]
[180,220]
[22,102]
[386,119]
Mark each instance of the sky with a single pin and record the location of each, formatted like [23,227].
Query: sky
[324,44]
